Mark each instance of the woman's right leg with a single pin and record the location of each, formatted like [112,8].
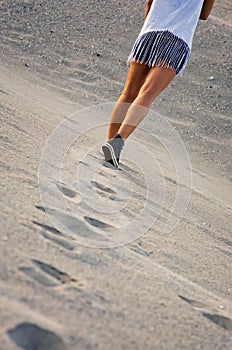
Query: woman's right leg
[136,77]
[157,81]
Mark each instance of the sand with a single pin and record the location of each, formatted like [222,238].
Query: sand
[72,276]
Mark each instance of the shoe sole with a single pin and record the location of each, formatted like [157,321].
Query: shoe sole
[109,154]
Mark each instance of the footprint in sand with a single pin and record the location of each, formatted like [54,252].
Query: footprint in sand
[78,228]
[194,303]
[67,191]
[220,320]
[138,249]
[48,228]
[3,92]
[38,276]
[108,192]
[97,223]
[103,188]
[60,276]
[48,274]
[54,235]
[57,237]
[29,336]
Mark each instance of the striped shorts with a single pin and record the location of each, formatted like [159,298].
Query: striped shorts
[162,49]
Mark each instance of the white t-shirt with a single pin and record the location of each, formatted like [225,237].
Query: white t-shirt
[178,16]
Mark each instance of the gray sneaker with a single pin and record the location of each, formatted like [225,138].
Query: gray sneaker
[112,150]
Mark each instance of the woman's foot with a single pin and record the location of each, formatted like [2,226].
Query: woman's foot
[112,150]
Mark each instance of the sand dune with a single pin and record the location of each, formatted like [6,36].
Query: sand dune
[86,259]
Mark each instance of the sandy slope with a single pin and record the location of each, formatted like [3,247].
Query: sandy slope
[162,291]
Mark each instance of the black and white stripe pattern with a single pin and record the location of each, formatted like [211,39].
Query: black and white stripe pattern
[162,49]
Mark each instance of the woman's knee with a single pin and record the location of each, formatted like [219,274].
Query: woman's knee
[146,96]
[128,95]
[157,81]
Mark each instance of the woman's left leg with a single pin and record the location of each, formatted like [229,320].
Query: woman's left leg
[136,77]
[157,81]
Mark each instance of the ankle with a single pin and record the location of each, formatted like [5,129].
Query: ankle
[118,136]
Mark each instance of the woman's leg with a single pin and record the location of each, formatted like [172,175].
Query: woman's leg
[156,82]
[136,77]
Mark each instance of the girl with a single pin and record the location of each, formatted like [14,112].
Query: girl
[160,52]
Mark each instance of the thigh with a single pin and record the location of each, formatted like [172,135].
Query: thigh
[136,77]
[156,82]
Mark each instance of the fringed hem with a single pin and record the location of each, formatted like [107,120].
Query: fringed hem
[162,49]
